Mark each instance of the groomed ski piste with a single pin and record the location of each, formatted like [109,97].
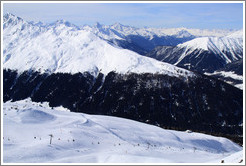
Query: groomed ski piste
[36,133]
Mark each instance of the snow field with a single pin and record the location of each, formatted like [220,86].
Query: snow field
[82,138]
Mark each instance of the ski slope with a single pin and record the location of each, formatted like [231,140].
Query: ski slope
[82,138]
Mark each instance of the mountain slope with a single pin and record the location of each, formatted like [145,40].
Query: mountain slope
[232,73]
[82,138]
[72,67]
[199,103]
[205,54]
[143,40]
[140,40]
[61,47]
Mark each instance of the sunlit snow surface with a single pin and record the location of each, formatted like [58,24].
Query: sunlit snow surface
[63,48]
[82,138]
[218,45]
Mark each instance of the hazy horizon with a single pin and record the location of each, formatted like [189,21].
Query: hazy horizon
[228,16]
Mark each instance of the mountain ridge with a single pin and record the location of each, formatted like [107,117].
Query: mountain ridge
[142,40]
[200,53]
[61,48]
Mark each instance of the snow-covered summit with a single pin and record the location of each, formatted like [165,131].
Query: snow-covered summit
[118,26]
[232,44]
[65,49]
[201,43]
[62,22]
[183,33]
[10,18]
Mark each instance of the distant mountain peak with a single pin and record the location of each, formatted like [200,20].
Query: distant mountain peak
[183,33]
[120,27]
[63,22]
[39,23]
[98,25]
[117,25]
[11,19]
[9,15]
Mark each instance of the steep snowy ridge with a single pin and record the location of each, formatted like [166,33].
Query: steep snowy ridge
[203,54]
[82,138]
[217,45]
[63,47]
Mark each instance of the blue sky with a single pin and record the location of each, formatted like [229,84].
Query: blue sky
[167,15]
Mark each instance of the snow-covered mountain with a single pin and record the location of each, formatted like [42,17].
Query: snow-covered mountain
[204,54]
[63,47]
[119,31]
[82,138]
[143,40]
[181,32]
[76,68]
